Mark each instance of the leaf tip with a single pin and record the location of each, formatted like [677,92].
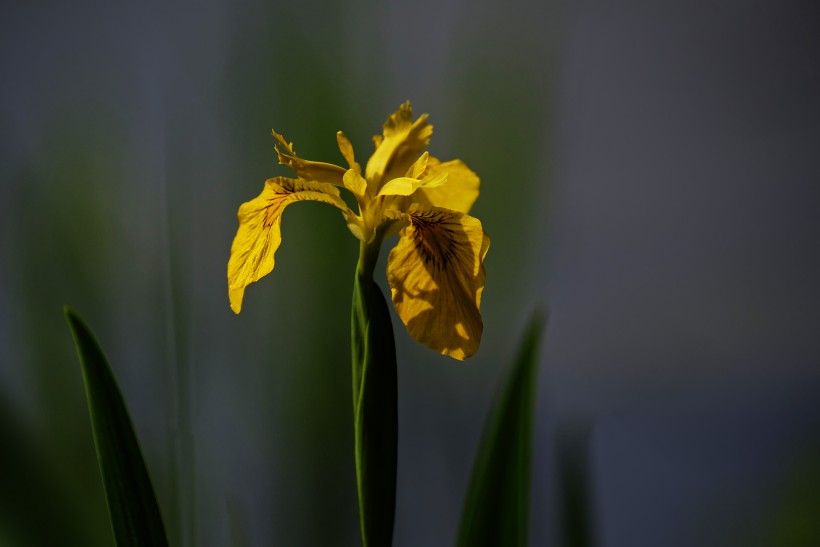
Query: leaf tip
[71,317]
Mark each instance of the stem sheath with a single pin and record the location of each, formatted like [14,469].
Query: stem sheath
[375,403]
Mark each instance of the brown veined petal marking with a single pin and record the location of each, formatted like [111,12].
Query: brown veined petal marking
[259,233]
[436,273]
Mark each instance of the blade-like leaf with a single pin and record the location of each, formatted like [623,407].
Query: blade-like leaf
[496,508]
[134,511]
[375,411]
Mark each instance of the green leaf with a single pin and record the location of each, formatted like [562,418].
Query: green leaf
[496,508]
[133,507]
[375,410]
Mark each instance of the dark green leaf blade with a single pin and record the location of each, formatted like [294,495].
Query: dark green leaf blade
[135,515]
[375,411]
[496,508]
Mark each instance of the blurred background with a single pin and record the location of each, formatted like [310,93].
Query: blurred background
[649,175]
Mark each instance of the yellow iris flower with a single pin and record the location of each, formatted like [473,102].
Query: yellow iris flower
[436,271]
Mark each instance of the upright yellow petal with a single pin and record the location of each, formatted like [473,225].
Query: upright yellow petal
[436,276]
[259,233]
[354,182]
[419,168]
[403,140]
[347,151]
[319,171]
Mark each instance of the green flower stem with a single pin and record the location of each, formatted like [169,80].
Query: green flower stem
[375,402]
[368,256]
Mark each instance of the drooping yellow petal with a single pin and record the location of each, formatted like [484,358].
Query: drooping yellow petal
[403,140]
[319,171]
[259,233]
[458,194]
[436,276]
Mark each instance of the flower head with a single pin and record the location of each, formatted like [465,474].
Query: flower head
[436,271]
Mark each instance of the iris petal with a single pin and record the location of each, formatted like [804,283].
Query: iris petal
[347,151]
[259,233]
[436,276]
[458,194]
[319,171]
[354,182]
[404,186]
[403,140]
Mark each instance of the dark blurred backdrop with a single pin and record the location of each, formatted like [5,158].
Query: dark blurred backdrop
[649,174]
